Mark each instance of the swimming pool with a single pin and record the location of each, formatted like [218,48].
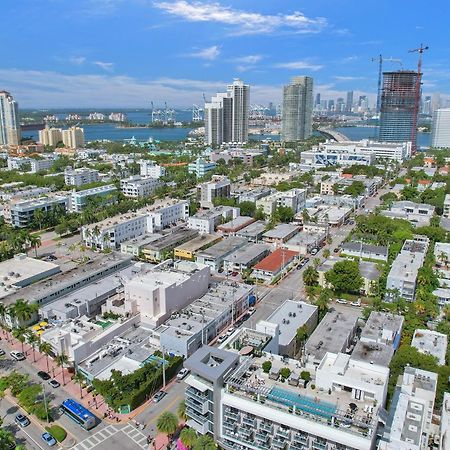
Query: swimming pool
[307,404]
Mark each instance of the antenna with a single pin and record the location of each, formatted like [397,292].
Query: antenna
[420,51]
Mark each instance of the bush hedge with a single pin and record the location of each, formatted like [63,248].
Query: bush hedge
[59,433]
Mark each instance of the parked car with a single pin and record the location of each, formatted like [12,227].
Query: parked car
[48,439]
[159,396]
[314,251]
[22,420]
[222,338]
[251,310]
[234,274]
[357,303]
[183,373]
[18,356]
[43,375]
[2,352]
[337,250]
[54,384]
[341,301]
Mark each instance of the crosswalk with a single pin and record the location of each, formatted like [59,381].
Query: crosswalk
[97,438]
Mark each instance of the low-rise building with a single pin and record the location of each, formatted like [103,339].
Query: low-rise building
[431,343]
[245,257]
[418,214]
[101,196]
[319,158]
[81,176]
[20,213]
[280,234]
[18,163]
[233,226]
[151,169]
[361,250]
[215,255]
[206,221]
[402,278]
[253,232]
[283,324]
[254,195]
[135,246]
[334,334]
[273,267]
[137,186]
[189,249]
[444,431]
[43,163]
[294,199]
[219,186]
[410,416]
[200,167]
[305,241]
[446,212]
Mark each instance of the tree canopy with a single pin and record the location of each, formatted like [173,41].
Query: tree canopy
[345,276]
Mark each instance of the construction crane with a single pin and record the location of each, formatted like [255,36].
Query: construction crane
[381,60]
[420,51]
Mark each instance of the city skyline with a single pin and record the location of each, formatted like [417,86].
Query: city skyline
[176,51]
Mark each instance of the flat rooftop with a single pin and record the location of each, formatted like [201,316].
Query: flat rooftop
[44,288]
[253,230]
[170,240]
[143,240]
[306,238]
[247,253]
[290,316]
[199,242]
[21,271]
[380,326]
[222,248]
[236,224]
[431,343]
[374,352]
[282,231]
[332,333]
[365,248]
[211,213]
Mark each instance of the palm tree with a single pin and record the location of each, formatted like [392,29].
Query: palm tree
[38,217]
[3,312]
[78,378]
[61,360]
[32,340]
[188,437]
[167,423]
[310,276]
[205,443]
[46,349]
[322,302]
[443,258]
[23,311]
[20,333]
[326,253]
[181,411]
[35,242]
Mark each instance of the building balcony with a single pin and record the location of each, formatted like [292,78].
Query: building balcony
[283,433]
[266,426]
[250,421]
[200,408]
[319,445]
[279,443]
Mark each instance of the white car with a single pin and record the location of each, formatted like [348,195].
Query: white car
[357,303]
[341,301]
[222,338]
[251,310]
[18,356]
[183,373]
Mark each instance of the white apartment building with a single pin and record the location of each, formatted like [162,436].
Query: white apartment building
[159,292]
[419,214]
[50,136]
[410,416]
[206,221]
[325,158]
[105,194]
[402,277]
[73,137]
[219,186]
[447,206]
[441,128]
[241,406]
[81,176]
[17,163]
[45,163]
[111,232]
[294,199]
[20,213]
[151,169]
[379,150]
[137,186]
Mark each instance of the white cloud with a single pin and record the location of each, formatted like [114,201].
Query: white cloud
[249,59]
[77,60]
[299,65]
[242,22]
[108,66]
[208,53]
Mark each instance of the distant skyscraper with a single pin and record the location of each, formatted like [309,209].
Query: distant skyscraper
[317,102]
[441,128]
[330,105]
[340,105]
[226,116]
[9,120]
[296,123]
[73,137]
[362,100]
[349,104]
[398,106]
[435,101]
[426,106]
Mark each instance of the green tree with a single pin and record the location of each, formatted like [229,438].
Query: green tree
[284,214]
[247,208]
[326,253]
[345,276]
[409,193]
[188,437]
[61,360]
[181,411]
[259,214]
[35,242]
[6,439]
[46,349]
[266,366]
[79,379]
[355,189]
[167,423]
[322,302]
[33,341]
[22,311]
[205,442]
[310,276]
[20,334]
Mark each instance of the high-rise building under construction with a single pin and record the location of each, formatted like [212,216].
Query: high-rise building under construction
[398,106]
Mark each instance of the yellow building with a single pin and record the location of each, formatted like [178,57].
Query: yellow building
[188,249]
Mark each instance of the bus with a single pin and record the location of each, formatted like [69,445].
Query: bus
[78,413]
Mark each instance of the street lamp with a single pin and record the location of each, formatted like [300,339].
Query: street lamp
[45,401]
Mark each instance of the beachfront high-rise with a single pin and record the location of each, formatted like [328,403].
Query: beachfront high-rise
[9,120]
[441,128]
[398,99]
[296,122]
[226,116]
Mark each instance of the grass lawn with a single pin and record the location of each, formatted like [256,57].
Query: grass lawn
[59,433]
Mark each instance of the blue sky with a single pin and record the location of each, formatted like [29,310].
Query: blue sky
[124,53]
